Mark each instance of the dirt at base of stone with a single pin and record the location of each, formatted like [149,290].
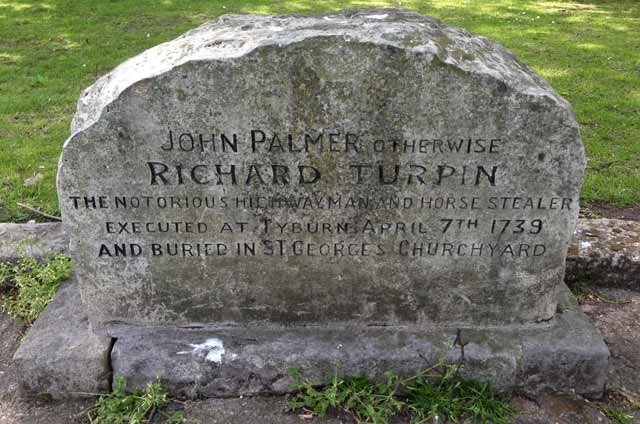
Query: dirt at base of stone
[616,313]
[603,210]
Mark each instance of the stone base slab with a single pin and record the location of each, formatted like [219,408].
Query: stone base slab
[60,356]
[566,354]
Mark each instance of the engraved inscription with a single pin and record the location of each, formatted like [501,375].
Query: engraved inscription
[438,235]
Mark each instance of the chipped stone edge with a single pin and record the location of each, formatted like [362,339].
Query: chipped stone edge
[61,357]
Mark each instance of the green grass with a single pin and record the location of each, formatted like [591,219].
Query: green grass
[616,416]
[137,407]
[51,50]
[27,287]
[438,394]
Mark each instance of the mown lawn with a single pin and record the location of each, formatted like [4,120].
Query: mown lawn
[51,50]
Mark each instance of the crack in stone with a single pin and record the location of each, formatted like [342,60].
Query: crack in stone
[458,342]
[109,365]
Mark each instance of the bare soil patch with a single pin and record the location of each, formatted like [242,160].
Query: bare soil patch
[603,210]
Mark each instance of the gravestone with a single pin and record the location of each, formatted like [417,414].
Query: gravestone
[370,187]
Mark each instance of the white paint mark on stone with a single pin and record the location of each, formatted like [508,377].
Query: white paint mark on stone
[616,260]
[585,245]
[212,350]
[377,16]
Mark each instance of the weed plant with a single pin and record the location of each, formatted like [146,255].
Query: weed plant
[27,287]
[438,394]
[137,407]
[616,416]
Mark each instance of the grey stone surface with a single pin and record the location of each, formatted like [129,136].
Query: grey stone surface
[385,90]
[605,252]
[31,239]
[566,354]
[60,356]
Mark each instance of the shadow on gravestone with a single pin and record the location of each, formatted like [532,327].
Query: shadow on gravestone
[372,188]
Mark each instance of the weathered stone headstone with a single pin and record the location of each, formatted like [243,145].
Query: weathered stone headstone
[372,169]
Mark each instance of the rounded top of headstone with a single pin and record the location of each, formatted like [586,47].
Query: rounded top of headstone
[232,36]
